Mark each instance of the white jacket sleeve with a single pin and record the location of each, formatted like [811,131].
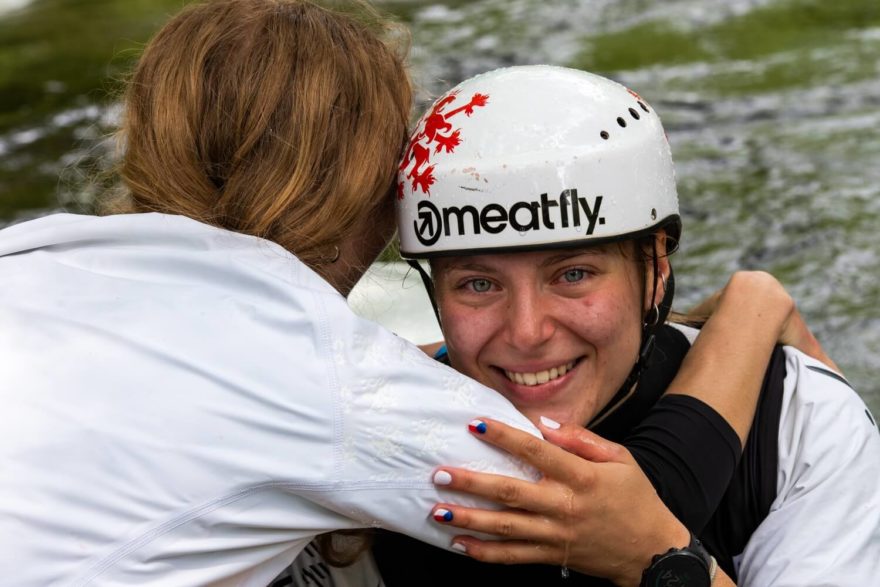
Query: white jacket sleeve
[399,414]
[824,526]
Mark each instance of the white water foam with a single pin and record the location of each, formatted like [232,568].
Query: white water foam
[10,5]
[392,295]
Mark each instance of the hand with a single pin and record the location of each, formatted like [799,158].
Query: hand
[593,511]
[758,288]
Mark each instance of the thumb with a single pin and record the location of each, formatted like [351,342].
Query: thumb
[581,442]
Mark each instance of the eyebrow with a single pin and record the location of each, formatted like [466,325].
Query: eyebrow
[470,267]
[592,251]
[595,251]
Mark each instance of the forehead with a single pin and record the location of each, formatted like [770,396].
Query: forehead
[543,258]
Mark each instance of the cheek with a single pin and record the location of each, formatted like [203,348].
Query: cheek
[611,323]
[466,331]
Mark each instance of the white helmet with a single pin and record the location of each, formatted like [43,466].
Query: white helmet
[533,157]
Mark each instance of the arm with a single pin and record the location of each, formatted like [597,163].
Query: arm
[398,414]
[795,331]
[726,365]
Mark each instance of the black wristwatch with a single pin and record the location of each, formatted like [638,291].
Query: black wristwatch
[691,566]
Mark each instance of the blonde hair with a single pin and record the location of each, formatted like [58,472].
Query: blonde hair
[276,118]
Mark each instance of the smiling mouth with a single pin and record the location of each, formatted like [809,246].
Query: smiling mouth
[539,377]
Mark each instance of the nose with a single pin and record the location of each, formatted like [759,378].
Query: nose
[529,320]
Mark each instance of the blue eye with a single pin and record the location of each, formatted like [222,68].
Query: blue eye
[480,285]
[574,275]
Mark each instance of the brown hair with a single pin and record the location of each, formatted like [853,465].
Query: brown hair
[276,118]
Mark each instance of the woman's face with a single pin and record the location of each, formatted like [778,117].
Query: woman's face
[556,332]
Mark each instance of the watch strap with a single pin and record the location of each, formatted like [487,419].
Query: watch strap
[694,548]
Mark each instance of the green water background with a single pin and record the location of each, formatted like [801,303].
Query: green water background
[772,109]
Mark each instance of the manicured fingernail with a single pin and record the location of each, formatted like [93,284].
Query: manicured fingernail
[551,424]
[442,478]
[477,426]
[459,547]
[442,515]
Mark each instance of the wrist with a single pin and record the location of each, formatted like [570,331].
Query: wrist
[670,535]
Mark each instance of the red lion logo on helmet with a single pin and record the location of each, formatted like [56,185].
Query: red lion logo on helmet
[435,130]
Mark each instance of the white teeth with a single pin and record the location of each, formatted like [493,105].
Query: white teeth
[540,377]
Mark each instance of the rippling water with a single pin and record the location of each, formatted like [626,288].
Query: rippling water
[772,108]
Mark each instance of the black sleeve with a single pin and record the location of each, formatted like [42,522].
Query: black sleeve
[689,452]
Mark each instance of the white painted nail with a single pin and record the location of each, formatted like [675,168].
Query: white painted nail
[442,478]
[459,547]
[551,424]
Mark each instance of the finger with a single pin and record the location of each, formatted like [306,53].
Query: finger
[544,456]
[581,442]
[509,524]
[509,552]
[513,493]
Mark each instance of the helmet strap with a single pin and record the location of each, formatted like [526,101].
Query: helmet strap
[429,287]
[654,319]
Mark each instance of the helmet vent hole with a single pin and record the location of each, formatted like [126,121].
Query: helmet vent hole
[633,113]
[653,213]
[645,108]
[604,134]
[621,122]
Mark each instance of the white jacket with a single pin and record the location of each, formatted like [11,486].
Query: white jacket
[183,405]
